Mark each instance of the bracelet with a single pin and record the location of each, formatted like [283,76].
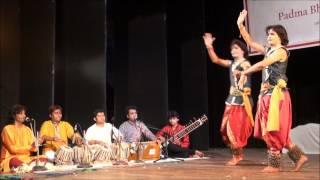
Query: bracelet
[210,47]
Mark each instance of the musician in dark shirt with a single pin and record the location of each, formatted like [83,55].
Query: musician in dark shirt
[178,147]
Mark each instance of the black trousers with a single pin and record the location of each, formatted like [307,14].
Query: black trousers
[178,151]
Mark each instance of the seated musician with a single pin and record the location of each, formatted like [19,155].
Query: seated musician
[18,141]
[133,129]
[180,147]
[101,132]
[56,132]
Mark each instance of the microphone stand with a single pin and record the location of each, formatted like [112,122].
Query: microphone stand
[86,150]
[37,167]
[78,126]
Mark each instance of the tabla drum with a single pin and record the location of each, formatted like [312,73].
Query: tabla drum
[149,150]
[64,156]
[120,151]
[82,154]
[94,149]
[103,153]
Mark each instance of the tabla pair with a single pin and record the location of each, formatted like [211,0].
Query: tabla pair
[66,155]
[105,153]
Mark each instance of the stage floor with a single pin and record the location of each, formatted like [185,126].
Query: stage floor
[212,168]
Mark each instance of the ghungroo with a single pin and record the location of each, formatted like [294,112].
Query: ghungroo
[236,152]
[274,159]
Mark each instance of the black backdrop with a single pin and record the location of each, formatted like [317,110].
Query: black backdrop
[88,54]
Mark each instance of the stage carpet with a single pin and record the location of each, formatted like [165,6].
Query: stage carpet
[211,167]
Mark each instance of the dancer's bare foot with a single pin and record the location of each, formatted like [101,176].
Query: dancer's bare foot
[303,159]
[234,161]
[270,169]
[199,153]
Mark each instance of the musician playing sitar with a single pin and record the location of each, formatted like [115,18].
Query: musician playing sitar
[179,147]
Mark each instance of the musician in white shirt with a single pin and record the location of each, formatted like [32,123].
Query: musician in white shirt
[101,132]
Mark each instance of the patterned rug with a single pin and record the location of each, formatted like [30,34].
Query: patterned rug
[71,169]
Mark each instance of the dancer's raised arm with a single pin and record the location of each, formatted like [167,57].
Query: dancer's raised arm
[246,36]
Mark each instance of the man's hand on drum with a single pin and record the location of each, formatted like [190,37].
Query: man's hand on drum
[97,142]
[100,142]
[78,141]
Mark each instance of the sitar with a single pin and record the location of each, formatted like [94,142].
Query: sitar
[188,129]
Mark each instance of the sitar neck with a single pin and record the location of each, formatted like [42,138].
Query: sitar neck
[187,130]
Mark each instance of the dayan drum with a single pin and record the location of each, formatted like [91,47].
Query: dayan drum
[82,154]
[102,153]
[149,150]
[64,156]
[120,151]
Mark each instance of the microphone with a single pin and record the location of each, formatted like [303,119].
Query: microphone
[77,128]
[152,127]
[149,126]
[28,119]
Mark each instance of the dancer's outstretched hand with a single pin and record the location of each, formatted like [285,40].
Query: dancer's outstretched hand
[208,39]
[242,17]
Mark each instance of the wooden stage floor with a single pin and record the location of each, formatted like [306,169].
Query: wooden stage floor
[212,168]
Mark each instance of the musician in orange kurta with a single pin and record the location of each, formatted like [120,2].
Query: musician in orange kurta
[179,147]
[55,132]
[18,141]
